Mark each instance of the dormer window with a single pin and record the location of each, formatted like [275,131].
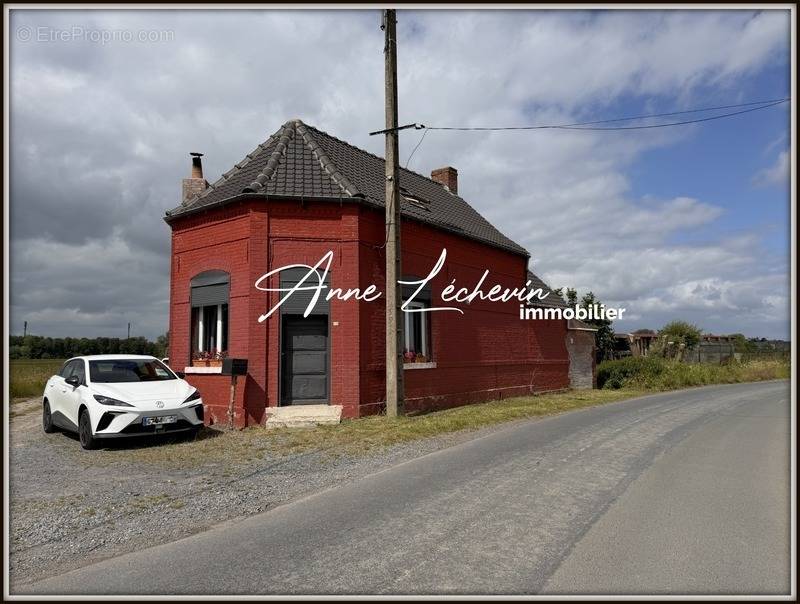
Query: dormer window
[415,200]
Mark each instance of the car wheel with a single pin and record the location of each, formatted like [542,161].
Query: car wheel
[47,419]
[88,441]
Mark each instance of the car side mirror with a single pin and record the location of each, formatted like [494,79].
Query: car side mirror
[73,381]
[180,374]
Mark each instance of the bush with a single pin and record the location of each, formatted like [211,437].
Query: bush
[677,337]
[617,374]
[656,373]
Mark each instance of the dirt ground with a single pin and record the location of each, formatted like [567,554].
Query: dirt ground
[70,507]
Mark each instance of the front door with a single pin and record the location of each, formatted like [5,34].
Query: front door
[304,354]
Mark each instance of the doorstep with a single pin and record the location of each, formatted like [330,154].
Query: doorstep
[298,416]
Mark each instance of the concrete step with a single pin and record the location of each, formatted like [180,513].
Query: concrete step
[299,416]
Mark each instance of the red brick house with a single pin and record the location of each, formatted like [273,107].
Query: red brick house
[298,195]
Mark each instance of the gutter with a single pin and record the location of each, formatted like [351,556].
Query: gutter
[170,218]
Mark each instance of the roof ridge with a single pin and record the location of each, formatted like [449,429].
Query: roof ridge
[326,162]
[383,159]
[285,135]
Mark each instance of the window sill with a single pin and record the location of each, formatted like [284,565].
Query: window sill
[419,365]
[188,370]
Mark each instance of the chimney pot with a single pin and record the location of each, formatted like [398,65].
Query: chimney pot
[197,165]
[447,177]
[195,184]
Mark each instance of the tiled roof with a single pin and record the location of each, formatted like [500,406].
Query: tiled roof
[303,162]
[553,300]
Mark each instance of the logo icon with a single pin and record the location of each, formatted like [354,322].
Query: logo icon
[160,404]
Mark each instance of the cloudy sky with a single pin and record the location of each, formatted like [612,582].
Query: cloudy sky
[690,222]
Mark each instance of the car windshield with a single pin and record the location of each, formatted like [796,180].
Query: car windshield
[128,370]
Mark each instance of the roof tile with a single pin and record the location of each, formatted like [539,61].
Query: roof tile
[301,161]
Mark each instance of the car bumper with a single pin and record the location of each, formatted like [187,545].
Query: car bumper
[132,433]
[119,424]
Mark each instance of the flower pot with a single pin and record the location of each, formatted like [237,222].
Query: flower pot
[200,363]
[215,363]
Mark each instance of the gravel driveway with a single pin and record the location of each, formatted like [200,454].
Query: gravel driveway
[70,507]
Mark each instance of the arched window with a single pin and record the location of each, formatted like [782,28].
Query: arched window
[210,293]
[417,325]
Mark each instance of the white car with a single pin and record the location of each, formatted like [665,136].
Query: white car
[116,395]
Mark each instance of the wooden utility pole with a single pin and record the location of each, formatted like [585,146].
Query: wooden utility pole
[129,331]
[394,292]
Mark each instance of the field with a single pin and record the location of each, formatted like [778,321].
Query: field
[27,377]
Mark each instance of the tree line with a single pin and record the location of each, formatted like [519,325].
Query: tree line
[41,347]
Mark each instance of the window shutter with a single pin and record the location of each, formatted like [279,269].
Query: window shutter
[210,289]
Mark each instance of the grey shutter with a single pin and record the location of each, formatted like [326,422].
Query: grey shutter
[210,288]
[210,295]
[297,302]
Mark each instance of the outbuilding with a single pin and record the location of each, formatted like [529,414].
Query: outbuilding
[298,196]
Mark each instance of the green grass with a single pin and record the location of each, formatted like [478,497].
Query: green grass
[654,373]
[363,435]
[27,377]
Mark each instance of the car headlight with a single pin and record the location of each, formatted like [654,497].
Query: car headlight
[112,402]
[194,396]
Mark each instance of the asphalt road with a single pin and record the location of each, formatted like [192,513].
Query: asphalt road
[684,492]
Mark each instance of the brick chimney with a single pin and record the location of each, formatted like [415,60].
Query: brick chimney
[448,177]
[195,184]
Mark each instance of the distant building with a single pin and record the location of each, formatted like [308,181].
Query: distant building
[711,348]
[635,344]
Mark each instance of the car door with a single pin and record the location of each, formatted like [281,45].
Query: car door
[57,388]
[71,400]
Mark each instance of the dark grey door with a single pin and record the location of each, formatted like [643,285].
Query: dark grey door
[304,360]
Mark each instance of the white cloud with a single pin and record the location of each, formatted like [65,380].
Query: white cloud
[112,124]
[777,174]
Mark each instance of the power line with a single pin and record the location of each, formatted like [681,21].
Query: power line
[589,125]
[652,115]
[695,121]
[422,138]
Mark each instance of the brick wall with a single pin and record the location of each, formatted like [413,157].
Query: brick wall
[216,392]
[485,354]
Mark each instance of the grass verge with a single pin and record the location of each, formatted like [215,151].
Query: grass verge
[359,436]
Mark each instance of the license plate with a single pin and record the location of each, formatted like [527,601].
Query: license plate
[160,421]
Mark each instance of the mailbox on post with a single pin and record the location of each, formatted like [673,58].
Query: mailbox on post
[234,366]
